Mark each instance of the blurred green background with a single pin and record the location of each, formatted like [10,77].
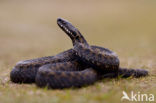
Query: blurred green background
[28,30]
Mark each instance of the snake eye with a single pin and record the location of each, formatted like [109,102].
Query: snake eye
[74,33]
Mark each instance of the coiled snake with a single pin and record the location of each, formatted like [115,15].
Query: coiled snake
[82,65]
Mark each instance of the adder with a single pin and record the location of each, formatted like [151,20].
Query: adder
[82,65]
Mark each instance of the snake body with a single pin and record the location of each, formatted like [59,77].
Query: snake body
[82,65]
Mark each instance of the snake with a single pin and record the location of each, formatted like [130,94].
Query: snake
[79,66]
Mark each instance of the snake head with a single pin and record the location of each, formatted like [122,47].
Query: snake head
[71,31]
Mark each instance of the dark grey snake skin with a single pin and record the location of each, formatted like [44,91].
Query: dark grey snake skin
[77,67]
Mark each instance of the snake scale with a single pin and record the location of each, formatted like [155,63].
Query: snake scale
[81,65]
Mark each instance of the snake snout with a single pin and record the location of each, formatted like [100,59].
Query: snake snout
[61,21]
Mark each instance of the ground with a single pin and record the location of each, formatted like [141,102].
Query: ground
[28,30]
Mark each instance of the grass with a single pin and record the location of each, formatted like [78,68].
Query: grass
[28,30]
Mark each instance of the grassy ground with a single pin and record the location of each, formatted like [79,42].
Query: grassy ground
[28,30]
